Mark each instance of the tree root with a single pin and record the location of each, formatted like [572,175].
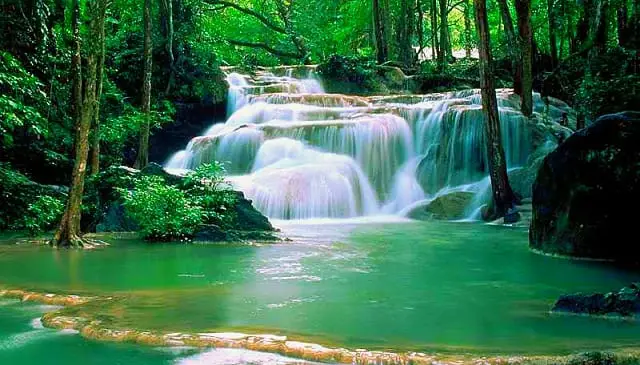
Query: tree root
[76,241]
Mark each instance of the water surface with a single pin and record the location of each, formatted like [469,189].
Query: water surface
[447,287]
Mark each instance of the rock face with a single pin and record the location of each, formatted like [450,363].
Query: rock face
[585,190]
[446,207]
[625,303]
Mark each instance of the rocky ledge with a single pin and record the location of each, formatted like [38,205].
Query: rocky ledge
[623,303]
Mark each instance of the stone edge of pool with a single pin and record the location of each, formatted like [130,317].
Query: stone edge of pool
[91,328]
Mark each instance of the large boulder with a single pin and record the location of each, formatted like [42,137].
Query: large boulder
[586,191]
[446,207]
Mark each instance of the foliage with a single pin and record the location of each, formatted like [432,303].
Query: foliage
[609,85]
[164,212]
[43,214]
[20,96]
[207,187]
[26,204]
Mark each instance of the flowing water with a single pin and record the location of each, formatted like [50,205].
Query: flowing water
[427,286]
[300,153]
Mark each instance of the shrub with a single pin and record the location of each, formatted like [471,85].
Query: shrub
[163,212]
[43,214]
[206,185]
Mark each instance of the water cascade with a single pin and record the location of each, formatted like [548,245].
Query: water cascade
[300,153]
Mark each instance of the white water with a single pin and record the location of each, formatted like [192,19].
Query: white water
[299,153]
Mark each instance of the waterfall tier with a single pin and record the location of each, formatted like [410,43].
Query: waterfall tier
[299,153]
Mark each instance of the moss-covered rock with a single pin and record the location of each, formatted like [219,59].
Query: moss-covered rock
[446,207]
[586,191]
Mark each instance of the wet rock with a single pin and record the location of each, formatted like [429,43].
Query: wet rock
[446,207]
[584,190]
[625,303]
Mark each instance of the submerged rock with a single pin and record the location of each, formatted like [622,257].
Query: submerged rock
[625,303]
[584,191]
[446,207]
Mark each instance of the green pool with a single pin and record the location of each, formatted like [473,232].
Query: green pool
[446,287]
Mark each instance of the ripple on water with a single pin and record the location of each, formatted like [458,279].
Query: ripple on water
[237,357]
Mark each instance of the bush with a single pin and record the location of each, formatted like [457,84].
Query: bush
[206,185]
[43,214]
[164,212]
[172,209]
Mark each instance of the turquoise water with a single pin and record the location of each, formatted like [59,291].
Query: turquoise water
[446,287]
[24,341]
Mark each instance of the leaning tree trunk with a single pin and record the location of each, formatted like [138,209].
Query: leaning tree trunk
[553,47]
[523,10]
[503,197]
[95,127]
[143,149]
[420,28]
[380,23]
[69,233]
[514,47]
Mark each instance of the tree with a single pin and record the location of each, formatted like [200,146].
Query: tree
[143,149]
[95,127]
[405,33]
[435,42]
[84,100]
[513,44]
[468,42]
[553,47]
[445,41]
[380,13]
[523,10]
[503,196]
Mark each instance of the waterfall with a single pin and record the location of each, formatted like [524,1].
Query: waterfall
[300,153]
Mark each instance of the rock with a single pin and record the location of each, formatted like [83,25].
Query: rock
[446,207]
[585,189]
[625,303]
[115,219]
[248,217]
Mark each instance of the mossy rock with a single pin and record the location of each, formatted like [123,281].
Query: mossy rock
[446,207]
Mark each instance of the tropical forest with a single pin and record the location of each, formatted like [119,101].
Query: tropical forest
[280,182]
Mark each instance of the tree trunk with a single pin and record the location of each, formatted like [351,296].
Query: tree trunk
[553,47]
[599,26]
[523,9]
[445,44]
[468,42]
[513,45]
[405,33]
[68,233]
[420,27]
[168,6]
[143,150]
[95,127]
[435,43]
[380,30]
[503,197]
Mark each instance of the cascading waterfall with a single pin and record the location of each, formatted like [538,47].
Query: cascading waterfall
[300,153]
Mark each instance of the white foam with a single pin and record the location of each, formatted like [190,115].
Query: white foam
[237,356]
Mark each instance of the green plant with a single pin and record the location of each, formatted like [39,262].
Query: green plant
[206,185]
[164,212]
[43,214]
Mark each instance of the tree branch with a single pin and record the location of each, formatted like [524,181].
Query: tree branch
[228,4]
[265,47]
